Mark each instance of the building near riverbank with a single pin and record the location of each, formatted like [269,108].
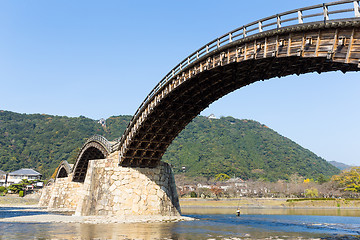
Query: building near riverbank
[15,177]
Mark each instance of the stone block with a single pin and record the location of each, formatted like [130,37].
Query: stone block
[112,187]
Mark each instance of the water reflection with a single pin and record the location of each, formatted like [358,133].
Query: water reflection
[128,231]
[88,231]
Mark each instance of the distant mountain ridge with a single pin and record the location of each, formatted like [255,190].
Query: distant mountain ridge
[206,147]
[339,165]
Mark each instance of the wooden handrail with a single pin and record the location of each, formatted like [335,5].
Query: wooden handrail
[100,139]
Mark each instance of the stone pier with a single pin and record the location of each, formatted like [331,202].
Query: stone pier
[110,189]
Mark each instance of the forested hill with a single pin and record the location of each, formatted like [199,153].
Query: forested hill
[206,147]
[245,148]
[42,141]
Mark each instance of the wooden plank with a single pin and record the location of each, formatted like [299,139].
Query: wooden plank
[289,45]
[340,55]
[355,56]
[245,52]
[283,42]
[241,52]
[355,49]
[325,48]
[250,51]
[260,48]
[350,46]
[265,47]
[317,43]
[271,46]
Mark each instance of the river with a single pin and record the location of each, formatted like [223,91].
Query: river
[211,223]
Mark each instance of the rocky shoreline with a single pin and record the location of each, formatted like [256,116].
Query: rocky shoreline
[34,214]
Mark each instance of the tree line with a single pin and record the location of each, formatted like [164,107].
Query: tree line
[206,147]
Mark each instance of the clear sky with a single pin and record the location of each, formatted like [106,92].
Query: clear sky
[101,58]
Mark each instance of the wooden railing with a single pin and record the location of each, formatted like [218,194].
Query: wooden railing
[102,140]
[326,12]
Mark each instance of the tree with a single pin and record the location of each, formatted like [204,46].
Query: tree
[222,177]
[349,180]
[16,188]
[216,191]
[322,179]
[311,192]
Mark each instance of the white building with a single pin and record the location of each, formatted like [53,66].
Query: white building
[212,116]
[24,173]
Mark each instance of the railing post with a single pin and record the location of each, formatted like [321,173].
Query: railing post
[300,17]
[260,26]
[326,12]
[356,9]
[278,21]
[207,48]
[244,32]
[218,43]
[230,37]
[197,55]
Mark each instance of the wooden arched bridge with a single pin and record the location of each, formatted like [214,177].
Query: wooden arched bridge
[320,38]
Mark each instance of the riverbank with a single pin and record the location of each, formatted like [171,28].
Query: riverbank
[34,214]
[15,200]
[268,203]
[26,210]
[33,199]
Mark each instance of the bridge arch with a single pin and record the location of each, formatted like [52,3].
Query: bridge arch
[96,147]
[258,51]
[64,170]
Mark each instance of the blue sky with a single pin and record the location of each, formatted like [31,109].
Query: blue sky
[101,58]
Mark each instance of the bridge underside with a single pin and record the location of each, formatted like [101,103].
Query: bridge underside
[184,103]
[91,151]
[62,173]
[260,58]
[64,170]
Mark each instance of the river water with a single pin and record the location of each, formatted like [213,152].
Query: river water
[210,224]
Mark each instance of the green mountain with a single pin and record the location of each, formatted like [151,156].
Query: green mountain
[243,148]
[206,147]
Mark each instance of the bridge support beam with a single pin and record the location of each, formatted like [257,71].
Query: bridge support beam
[110,189]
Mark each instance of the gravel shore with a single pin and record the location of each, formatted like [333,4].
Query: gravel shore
[17,209]
[34,214]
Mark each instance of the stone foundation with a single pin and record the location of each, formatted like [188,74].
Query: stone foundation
[110,189]
[63,194]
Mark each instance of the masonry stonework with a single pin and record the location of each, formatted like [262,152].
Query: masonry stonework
[110,189]
[62,194]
